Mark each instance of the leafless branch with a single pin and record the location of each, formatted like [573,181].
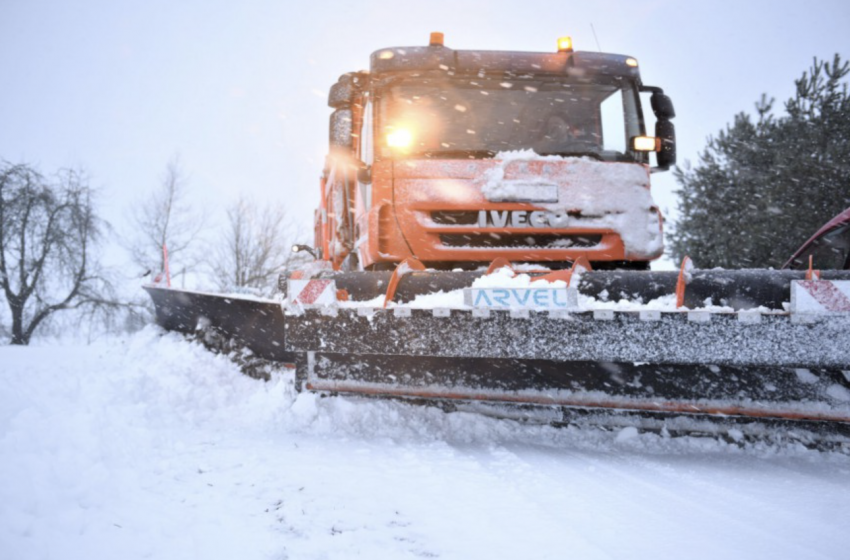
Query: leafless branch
[48,234]
[254,247]
[166,217]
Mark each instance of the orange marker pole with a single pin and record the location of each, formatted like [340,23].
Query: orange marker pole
[165,260]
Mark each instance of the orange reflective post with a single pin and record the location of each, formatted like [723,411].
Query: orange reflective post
[686,267]
[165,261]
[566,274]
[407,265]
[812,274]
[500,262]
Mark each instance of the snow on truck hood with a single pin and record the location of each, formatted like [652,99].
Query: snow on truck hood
[608,195]
[572,192]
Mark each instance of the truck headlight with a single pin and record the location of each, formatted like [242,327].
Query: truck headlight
[400,138]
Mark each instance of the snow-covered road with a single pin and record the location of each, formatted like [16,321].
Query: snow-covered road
[150,447]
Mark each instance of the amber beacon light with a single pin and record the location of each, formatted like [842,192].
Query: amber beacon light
[565,44]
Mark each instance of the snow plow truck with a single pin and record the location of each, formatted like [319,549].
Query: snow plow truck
[483,240]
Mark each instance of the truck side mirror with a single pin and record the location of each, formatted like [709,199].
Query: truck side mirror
[341,92]
[665,131]
[666,156]
[340,130]
[662,106]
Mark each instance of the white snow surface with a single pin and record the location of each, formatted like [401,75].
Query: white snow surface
[507,278]
[151,447]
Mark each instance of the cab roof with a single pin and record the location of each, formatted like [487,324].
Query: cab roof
[433,58]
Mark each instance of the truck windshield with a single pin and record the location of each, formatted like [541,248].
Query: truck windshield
[480,117]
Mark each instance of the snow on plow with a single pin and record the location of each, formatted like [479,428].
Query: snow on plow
[812,299]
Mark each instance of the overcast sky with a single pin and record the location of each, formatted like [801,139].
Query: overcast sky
[238,89]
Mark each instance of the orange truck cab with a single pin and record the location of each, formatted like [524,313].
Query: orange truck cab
[458,157]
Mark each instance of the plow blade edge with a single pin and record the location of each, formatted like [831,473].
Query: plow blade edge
[769,369]
[254,324]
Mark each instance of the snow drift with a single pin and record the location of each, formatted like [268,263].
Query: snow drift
[151,447]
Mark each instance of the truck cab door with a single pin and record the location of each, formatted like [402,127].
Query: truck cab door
[338,189]
[829,248]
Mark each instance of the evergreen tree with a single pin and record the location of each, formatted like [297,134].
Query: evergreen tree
[764,185]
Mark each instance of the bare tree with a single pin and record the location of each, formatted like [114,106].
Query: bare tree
[48,236]
[166,217]
[254,247]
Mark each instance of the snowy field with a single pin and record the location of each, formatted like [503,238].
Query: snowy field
[150,447]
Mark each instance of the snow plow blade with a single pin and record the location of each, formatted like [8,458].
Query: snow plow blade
[257,325]
[735,367]
[688,371]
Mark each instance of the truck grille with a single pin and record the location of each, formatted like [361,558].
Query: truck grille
[470,217]
[518,241]
[455,217]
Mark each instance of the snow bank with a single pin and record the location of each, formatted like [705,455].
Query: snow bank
[151,447]
[103,451]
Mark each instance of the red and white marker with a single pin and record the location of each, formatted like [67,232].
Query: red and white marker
[820,297]
[312,292]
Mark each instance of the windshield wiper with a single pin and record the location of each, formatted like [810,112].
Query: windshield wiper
[594,155]
[457,154]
